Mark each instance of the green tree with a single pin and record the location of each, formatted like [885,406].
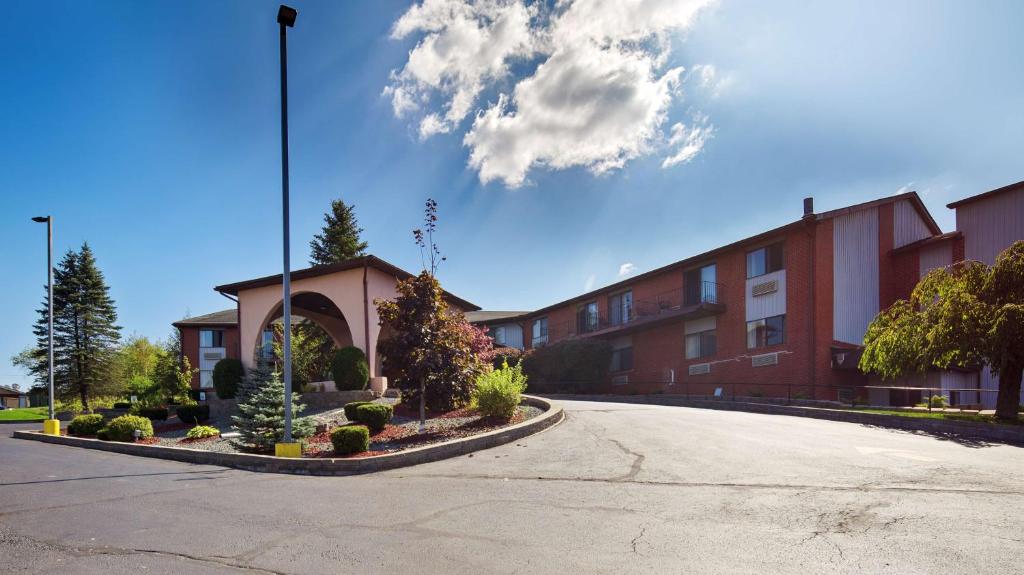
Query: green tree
[312,350]
[339,239]
[964,316]
[137,357]
[85,331]
[260,419]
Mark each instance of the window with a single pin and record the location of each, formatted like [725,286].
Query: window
[620,308]
[622,354]
[267,344]
[540,331]
[701,344]
[587,318]
[764,260]
[211,338]
[767,331]
[499,335]
[701,285]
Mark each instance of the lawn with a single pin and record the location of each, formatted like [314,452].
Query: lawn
[940,415]
[23,413]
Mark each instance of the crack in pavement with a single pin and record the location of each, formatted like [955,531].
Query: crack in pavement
[637,539]
[637,462]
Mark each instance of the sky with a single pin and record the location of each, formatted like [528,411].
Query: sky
[569,144]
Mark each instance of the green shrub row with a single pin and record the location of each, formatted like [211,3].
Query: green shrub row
[123,428]
[193,413]
[152,413]
[86,424]
[350,439]
[568,366]
[350,409]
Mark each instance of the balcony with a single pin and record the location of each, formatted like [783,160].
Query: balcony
[699,301]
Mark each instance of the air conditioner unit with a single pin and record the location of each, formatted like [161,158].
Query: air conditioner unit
[764,288]
[764,359]
[213,355]
[620,380]
[699,369]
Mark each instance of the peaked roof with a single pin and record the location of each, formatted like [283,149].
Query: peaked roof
[9,390]
[314,271]
[1017,186]
[223,317]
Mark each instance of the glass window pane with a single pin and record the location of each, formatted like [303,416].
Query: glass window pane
[775,262]
[755,263]
[709,343]
[693,346]
[205,338]
[775,330]
[755,333]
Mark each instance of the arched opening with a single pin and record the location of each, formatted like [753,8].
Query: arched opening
[318,329]
[381,364]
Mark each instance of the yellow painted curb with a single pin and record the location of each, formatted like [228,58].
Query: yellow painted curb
[51,426]
[288,449]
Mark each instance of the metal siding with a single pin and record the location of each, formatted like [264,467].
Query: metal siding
[513,334]
[770,304]
[991,225]
[960,380]
[855,274]
[908,227]
[934,257]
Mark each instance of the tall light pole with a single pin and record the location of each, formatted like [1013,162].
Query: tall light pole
[51,425]
[287,448]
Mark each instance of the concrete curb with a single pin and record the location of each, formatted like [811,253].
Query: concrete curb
[971,430]
[324,466]
[2,421]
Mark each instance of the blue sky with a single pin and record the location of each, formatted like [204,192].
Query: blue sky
[150,130]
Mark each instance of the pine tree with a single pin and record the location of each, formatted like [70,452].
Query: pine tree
[260,419]
[85,333]
[339,240]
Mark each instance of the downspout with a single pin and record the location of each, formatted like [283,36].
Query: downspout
[812,226]
[238,316]
[370,357]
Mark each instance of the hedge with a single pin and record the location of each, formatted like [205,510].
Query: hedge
[193,413]
[374,415]
[123,428]
[227,376]
[154,413]
[568,366]
[86,424]
[349,369]
[350,409]
[350,439]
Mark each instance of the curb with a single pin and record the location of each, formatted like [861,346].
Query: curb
[6,421]
[323,466]
[972,430]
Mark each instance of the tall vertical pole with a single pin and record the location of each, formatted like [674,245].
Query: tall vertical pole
[49,300]
[287,264]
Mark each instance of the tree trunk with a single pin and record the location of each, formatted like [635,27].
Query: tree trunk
[423,404]
[1008,402]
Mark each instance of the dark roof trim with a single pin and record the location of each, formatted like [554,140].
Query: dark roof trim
[1009,188]
[217,318]
[927,242]
[372,261]
[10,390]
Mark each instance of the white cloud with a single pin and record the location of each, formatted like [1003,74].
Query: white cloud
[707,78]
[626,269]
[589,283]
[687,141]
[599,96]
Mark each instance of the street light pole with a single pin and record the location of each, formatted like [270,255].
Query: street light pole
[286,19]
[51,425]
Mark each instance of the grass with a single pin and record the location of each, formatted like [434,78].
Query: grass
[940,415]
[24,413]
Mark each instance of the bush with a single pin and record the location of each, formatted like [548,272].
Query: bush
[350,439]
[122,405]
[153,413]
[227,375]
[499,356]
[374,415]
[570,366]
[350,369]
[260,419]
[123,428]
[498,393]
[193,413]
[350,409]
[938,401]
[201,431]
[86,425]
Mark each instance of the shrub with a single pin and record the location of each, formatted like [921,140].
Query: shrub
[350,439]
[227,375]
[122,405]
[350,409]
[499,356]
[123,428]
[86,425]
[374,415]
[349,369]
[568,365]
[193,413]
[153,413]
[498,393]
[938,401]
[201,431]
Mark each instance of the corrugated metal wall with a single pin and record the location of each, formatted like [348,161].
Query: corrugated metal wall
[908,226]
[991,225]
[770,304]
[855,274]
[934,257]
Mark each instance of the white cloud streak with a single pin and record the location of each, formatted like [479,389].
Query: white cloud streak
[626,269]
[599,96]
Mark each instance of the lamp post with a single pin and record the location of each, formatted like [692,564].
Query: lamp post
[287,448]
[51,426]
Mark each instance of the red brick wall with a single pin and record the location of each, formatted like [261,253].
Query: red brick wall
[190,346]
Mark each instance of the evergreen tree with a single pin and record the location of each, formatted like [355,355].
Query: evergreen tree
[85,333]
[260,419]
[339,240]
